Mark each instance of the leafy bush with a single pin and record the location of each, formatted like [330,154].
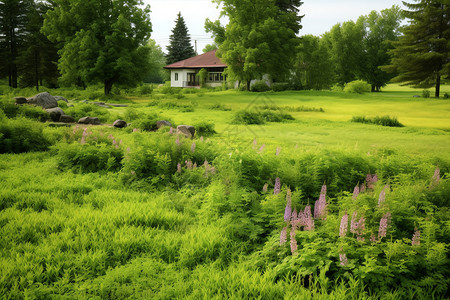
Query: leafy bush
[383,121]
[204,128]
[446,96]
[280,86]
[260,117]
[358,87]
[12,110]
[145,89]
[219,107]
[426,94]
[81,110]
[21,135]
[260,86]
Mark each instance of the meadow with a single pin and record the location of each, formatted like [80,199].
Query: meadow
[278,196]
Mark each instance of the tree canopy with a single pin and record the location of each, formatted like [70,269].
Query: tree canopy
[180,46]
[260,38]
[421,55]
[102,41]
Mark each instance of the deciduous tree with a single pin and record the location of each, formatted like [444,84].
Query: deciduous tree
[260,38]
[102,40]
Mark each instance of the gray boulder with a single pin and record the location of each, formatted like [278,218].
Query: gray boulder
[61,98]
[89,120]
[84,101]
[120,124]
[162,123]
[45,100]
[55,113]
[102,104]
[118,105]
[66,119]
[416,96]
[20,100]
[187,130]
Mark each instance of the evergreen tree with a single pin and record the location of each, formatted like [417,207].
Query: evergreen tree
[13,25]
[180,47]
[38,59]
[421,55]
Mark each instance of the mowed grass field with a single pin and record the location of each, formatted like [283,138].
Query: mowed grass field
[426,131]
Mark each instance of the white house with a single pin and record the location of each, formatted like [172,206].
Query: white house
[184,73]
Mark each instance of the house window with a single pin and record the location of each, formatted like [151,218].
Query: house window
[176,76]
[215,77]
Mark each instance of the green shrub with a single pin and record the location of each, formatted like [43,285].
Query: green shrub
[21,135]
[260,117]
[146,122]
[219,107]
[383,121]
[280,86]
[446,96]
[12,110]
[248,117]
[204,128]
[358,87]
[426,94]
[145,89]
[260,86]
[81,110]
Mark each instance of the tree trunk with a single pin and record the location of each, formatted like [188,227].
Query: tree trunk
[36,69]
[438,85]
[108,87]
[374,88]
[248,85]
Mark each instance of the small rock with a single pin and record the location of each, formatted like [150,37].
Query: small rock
[66,119]
[61,98]
[20,100]
[84,101]
[162,123]
[187,130]
[416,96]
[120,124]
[55,113]
[45,100]
[89,120]
[118,105]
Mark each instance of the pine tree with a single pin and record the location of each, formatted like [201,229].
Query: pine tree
[180,47]
[13,22]
[421,56]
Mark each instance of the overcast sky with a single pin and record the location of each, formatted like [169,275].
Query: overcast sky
[320,16]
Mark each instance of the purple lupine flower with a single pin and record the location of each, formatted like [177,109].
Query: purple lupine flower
[381,197]
[188,164]
[373,238]
[111,137]
[179,168]
[436,177]
[288,209]
[324,189]
[362,188]
[261,149]
[201,138]
[293,242]
[83,140]
[320,207]
[384,223]
[265,188]
[416,238]
[120,142]
[171,130]
[212,170]
[135,129]
[283,236]
[353,222]
[177,141]
[343,259]
[295,221]
[355,192]
[277,188]
[193,147]
[128,149]
[308,220]
[114,142]
[194,166]
[344,225]
[278,151]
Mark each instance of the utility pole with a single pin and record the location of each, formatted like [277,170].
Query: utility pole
[196,47]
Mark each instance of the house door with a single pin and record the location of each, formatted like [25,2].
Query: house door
[191,79]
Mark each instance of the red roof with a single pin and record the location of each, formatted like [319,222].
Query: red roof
[205,60]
